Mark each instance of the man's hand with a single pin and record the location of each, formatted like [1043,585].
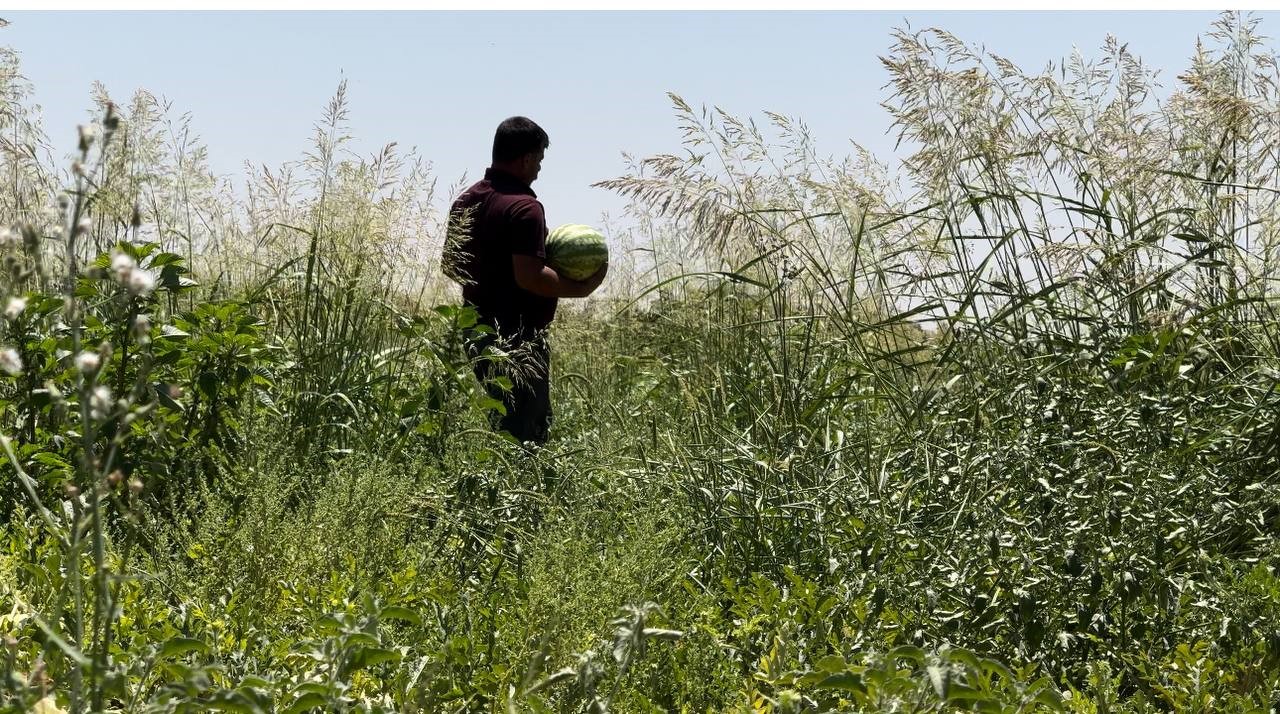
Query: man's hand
[533,274]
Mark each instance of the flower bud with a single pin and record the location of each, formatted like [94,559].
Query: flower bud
[88,362]
[31,237]
[122,265]
[101,402]
[142,329]
[111,121]
[141,282]
[87,134]
[10,361]
[14,308]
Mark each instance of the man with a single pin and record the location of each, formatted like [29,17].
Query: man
[496,250]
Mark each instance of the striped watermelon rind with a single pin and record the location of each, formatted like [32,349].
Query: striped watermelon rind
[576,251]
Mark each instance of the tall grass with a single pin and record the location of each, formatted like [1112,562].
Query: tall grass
[1059,338]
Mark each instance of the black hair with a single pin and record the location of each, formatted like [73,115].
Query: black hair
[517,137]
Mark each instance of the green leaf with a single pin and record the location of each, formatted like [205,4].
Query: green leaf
[992,666]
[310,700]
[51,460]
[911,652]
[371,656]
[317,688]
[832,664]
[489,403]
[844,682]
[231,702]
[362,639]
[658,634]
[403,614]
[73,652]
[561,676]
[965,693]
[1046,695]
[179,646]
[162,392]
[162,259]
[966,658]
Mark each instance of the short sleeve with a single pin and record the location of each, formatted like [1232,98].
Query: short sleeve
[528,233]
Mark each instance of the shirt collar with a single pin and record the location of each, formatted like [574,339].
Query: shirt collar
[507,179]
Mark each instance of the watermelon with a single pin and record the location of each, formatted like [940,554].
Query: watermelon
[576,251]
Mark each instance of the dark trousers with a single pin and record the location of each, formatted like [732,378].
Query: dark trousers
[528,403]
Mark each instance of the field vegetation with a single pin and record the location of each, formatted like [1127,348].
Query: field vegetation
[998,429]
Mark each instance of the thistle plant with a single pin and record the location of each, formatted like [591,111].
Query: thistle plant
[100,393]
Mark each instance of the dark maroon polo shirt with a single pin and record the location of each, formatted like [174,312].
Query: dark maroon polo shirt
[506,219]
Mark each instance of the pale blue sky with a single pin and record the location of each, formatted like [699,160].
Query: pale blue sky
[256,83]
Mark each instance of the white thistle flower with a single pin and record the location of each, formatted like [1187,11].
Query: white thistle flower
[14,308]
[10,362]
[8,236]
[142,329]
[123,265]
[141,282]
[101,402]
[88,362]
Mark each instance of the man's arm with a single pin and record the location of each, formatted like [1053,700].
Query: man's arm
[532,274]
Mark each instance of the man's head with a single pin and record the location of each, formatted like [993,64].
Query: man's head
[518,147]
